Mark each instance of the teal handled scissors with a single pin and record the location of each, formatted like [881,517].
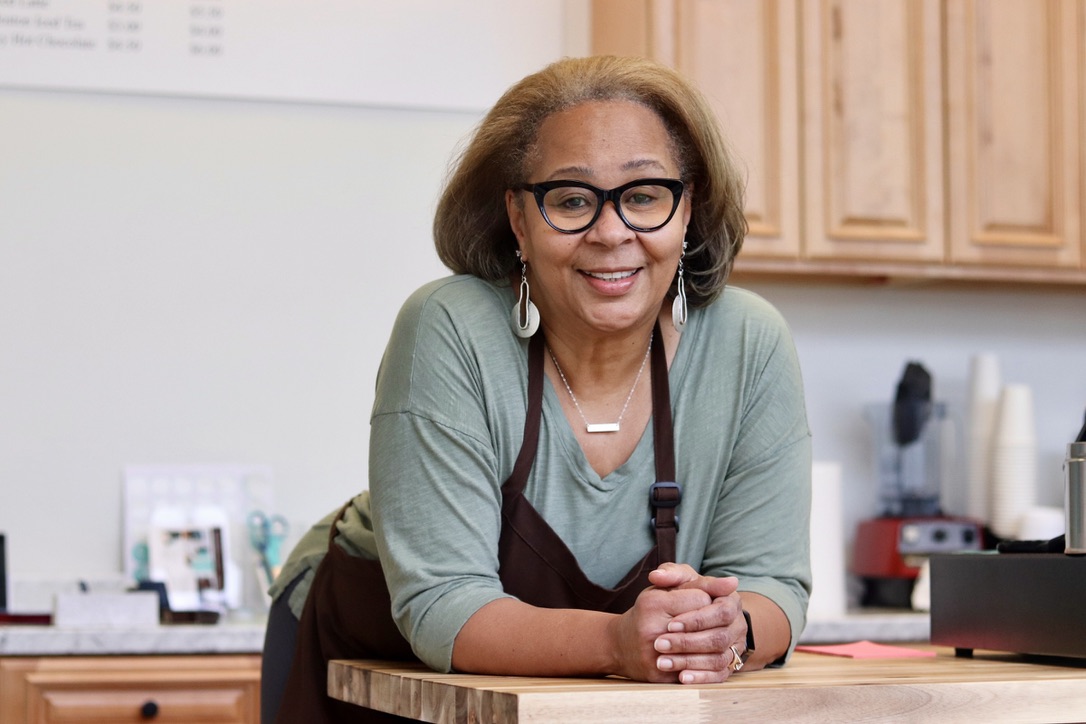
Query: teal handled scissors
[266,534]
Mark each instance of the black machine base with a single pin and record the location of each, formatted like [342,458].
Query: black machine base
[1026,603]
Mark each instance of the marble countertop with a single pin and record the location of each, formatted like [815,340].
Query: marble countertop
[248,637]
[225,638]
[882,625]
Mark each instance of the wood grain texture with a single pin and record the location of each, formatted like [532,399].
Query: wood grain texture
[989,688]
[114,688]
[1013,101]
[873,130]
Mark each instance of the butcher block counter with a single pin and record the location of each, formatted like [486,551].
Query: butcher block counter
[990,687]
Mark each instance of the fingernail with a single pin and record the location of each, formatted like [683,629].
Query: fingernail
[662,645]
[675,627]
[686,677]
[664,663]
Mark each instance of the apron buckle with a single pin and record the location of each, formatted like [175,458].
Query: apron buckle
[665,496]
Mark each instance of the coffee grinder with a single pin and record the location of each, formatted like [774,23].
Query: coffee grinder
[913,440]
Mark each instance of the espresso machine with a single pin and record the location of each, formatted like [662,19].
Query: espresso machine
[1029,597]
[914,453]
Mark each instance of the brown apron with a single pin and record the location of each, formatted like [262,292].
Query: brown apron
[347,613]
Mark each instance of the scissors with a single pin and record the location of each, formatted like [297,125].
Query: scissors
[266,534]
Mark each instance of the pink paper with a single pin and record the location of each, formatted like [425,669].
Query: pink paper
[866,650]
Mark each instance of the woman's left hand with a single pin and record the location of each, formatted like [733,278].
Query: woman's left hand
[698,644]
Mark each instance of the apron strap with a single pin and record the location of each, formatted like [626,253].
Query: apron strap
[665,494]
[519,477]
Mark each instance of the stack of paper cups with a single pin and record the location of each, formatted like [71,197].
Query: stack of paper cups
[829,597]
[984,384]
[1014,461]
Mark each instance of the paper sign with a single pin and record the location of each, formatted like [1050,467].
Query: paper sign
[866,650]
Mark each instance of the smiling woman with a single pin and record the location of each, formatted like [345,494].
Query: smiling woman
[526,481]
[607,288]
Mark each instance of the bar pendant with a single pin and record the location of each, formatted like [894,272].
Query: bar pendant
[602,427]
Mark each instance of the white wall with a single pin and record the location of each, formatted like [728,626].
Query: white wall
[186,280]
[193,281]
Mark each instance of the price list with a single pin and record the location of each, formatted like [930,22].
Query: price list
[207,29]
[63,28]
[47,25]
[325,51]
[123,25]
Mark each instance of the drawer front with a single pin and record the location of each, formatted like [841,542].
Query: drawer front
[130,689]
[117,704]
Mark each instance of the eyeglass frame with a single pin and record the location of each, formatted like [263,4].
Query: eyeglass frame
[540,190]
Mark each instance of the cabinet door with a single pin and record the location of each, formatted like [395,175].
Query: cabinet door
[1013,124]
[873,130]
[743,56]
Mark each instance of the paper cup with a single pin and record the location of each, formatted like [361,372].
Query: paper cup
[984,391]
[1014,420]
[1014,487]
[1041,523]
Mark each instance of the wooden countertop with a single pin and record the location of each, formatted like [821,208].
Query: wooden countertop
[989,687]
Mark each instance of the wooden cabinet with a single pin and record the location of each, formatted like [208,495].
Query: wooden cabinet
[118,689]
[912,138]
[872,130]
[1014,101]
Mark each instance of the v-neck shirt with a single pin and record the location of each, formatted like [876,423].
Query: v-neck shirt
[447,425]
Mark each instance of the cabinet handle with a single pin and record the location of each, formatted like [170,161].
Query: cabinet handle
[149,710]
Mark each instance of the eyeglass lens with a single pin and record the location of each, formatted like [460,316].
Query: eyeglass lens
[572,208]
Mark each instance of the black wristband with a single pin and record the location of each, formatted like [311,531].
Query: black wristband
[750,636]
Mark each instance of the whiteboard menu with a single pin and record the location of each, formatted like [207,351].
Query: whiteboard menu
[445,54]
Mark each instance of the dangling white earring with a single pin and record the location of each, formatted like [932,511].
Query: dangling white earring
[678,307]
[525,314]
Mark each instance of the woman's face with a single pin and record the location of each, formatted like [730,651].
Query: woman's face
[608,278]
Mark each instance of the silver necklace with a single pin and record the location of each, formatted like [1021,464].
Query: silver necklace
[601,426]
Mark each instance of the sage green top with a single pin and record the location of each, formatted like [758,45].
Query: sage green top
[446,429]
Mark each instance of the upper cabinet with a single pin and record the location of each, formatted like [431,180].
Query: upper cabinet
[1014,90]
[872,130]
[910,138]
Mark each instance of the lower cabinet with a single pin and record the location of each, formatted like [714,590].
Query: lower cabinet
[119,689]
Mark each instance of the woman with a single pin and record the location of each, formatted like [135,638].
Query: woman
[587,457]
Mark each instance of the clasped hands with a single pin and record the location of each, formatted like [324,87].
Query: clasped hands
[682,628]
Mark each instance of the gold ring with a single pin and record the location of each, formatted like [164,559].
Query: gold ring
[737,663]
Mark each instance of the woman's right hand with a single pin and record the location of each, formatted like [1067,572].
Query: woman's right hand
[677,589]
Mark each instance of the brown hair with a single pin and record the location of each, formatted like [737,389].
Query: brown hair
[471,228]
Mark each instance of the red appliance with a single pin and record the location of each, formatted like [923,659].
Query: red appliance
[888,553]
[912,459]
